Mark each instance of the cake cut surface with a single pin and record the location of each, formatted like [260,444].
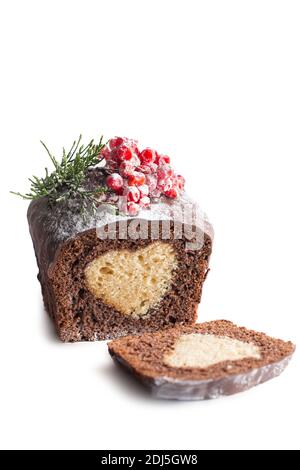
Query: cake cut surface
[132,282]
[202,361]
[199,350]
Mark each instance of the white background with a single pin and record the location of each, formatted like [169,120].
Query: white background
[215,84]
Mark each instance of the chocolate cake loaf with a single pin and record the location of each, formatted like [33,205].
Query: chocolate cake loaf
[202,361]
[136,264]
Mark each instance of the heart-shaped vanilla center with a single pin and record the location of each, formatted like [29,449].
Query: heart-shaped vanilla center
[201,350]
[132,281]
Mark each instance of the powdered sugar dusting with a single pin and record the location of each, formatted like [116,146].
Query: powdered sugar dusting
[65,221]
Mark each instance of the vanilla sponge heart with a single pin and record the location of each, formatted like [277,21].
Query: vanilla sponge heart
[132,281]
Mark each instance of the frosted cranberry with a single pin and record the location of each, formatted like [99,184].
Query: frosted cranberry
[157,157]
[136,179]
[153,167]
[169,170]
[144,169]
[133,208]
[166,184]
[161,184]
[133,144]
[115,142]
[180,182]
[148,169]
[126,169]
[164,159]
[148,156]
[119,191]
[114,155]
[172,193]
[130,141]
[134,161]
[151,181]
[105,153]
[164,172]
[114,182]
[144,190]
[145,201]
[123,153]
[133,194]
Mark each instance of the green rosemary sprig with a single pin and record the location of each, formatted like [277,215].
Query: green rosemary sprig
[67,180]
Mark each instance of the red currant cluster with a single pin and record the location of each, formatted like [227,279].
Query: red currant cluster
[140,177]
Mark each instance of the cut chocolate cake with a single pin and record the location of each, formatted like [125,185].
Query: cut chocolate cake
[136,264]
[202,361]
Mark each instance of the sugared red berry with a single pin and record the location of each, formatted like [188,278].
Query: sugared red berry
[151,181]
[180,182]
[133,146]
[153,167]
[145,201]
[115,182]
[157,157]
[114,155]
[172,193]
[132,208]
[136,179]
[115,142]
[144,190]
[123,153]
[144,169]
[148,169]
[133,194]
[166,184]
[147,156]
[134,161]
[105,153]
[164,159]
[164,172]
[119,191]
[126,169]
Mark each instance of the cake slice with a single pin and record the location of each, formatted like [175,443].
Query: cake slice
[201,361]
[136,263]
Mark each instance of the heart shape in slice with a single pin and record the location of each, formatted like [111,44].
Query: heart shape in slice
[132,282]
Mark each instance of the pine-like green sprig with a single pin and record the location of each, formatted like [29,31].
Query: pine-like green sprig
[66,181]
